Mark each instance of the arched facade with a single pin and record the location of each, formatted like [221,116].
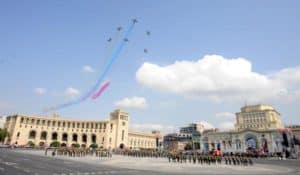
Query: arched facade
[106,134]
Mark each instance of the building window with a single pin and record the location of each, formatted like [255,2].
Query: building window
[48,123]
[54,136]
[43,135]
[123,123]
[78,125]
[74,138]
[38,122]
[32,121]
[94,138]
[65,137]
[123,135]
[53,123]
[22,120]
[111,126]
[32,134]
[84,138]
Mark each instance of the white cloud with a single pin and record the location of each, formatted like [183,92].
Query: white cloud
[226,126]
[225,115]
[220,79]
[148,127]
[72,92]
[206,125]
[88,69]
[40,91]
[132,102]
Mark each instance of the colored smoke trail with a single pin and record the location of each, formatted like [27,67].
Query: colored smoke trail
[103,87]
[112,59]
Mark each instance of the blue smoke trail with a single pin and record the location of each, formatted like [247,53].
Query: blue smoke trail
[102,75]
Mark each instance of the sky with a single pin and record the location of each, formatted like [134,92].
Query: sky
[205,60]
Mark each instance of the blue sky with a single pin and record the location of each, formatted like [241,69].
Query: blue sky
[45,44]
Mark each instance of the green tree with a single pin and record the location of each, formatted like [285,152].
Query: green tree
[3,134]
[94,146]
[31,144]
[55,144]
[76,145]
[188,146]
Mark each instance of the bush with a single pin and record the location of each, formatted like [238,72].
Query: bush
[75,145]
[188,146]
[31,144]
[55,144]
[94,146]
[3,134]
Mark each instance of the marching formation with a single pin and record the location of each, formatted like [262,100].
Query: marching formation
[195,158]
[210,159]
[78,152]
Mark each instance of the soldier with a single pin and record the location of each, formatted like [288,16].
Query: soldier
[238,160]
[219,160]
[233,161]
[201,159]
[194,158]
[190,158]
[250,162]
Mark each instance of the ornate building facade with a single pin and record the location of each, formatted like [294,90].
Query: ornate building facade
[258,127]
[2,121]
[109,134]
[259,117]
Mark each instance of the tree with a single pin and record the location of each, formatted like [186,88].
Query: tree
[3,135]
[75,145]
[188,146]
[55,144]
[94,146]
[31,144]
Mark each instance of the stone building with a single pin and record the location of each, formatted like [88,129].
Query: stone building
[141,140]
[176,141]
[258,127]
[259,117]
[2,121]
[42,131]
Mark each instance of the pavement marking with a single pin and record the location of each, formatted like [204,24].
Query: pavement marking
[27,171]
[9,163]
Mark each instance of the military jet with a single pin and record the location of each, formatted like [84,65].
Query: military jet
[134,20]
[119,28]
[148,33]
[145,50]
[126,39]
[109,40]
